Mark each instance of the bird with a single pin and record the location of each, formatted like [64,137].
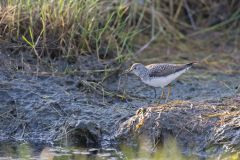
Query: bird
[159,74]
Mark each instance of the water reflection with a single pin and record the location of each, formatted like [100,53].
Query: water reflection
[27,151]
[167,151]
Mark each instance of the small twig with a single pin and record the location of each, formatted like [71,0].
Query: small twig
[23,132]
[56,111]
[99,89]
[100,70]
[155,145]
[222,114]
[147,44]
[178,11]
[190,15]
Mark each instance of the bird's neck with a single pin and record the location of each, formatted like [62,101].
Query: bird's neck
[144,74]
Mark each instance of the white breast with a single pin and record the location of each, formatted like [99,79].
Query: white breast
[164,81]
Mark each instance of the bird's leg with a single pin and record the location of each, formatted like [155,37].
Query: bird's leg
[162,95]
[155,92]
[169,91]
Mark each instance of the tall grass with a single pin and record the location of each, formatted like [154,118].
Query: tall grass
[108,28]
[69,27]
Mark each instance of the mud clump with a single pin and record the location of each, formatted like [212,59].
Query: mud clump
[200,128]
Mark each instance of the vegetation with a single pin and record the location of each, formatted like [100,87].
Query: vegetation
[68,27]
[109,28]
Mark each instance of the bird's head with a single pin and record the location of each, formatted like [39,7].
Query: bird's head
[137,69]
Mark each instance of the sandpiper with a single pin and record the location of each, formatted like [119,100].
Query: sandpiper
[159,75]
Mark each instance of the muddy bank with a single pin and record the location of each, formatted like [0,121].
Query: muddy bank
[203,129]
[67,101]
[67,105]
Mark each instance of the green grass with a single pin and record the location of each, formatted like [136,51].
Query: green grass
[69,27]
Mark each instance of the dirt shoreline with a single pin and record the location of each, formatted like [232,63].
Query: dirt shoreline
[69,105]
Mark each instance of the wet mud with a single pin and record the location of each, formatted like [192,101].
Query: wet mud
[62,101]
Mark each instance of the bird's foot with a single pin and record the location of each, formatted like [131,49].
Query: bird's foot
[158,102]
[166,100]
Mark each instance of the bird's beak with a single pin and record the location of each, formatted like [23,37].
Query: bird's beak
[127,71]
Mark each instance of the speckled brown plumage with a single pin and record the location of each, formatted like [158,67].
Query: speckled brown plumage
[165,69]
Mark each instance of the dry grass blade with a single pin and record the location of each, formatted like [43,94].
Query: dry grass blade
[100,90]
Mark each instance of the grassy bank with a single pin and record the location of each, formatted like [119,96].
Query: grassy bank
[68,27]
[109,28]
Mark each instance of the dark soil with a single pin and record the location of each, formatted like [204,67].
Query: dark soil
[62,100]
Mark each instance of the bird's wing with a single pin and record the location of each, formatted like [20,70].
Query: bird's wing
[161,70]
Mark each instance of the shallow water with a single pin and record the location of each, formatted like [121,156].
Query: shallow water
[43,152]
[169,150]
[10,150]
